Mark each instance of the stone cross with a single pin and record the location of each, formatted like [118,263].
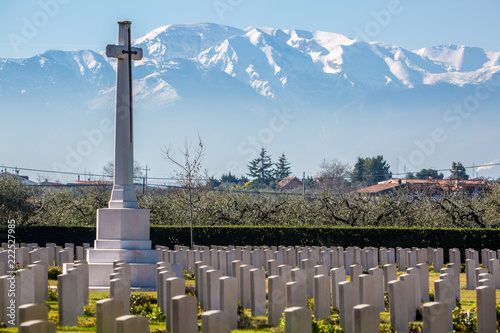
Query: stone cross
[123,195]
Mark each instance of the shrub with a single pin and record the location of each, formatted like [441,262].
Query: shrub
[146,306]
[431,296]
[89,310]
[53,297]
[328,325]
[54,271]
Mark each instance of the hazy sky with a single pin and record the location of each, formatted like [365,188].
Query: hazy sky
[29,27]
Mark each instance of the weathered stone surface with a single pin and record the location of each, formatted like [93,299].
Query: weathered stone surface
[296,294]
[366,319]
[107,310]
[29,312]
[321,297]
[228,300]
[184,314]
[398,306]
[214,321]
[337,275]
[298,320]
[131,324]
[445,294]
[258,292]
[174,287]
[486,309]
[37,326]
[347,302]
[433,314]
[277,299]
[68,312]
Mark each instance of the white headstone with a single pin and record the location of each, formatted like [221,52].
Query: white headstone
[258,292]
[228,299]
[277,299]
[184,314]
[68,303]
[321,297]
[107,310]
[347,302]
[486,309]
[432,314]
[298,320]
[366,319]
[398,306]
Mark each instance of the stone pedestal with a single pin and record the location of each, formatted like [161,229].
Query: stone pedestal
[122,234]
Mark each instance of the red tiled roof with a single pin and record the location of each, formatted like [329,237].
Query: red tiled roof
[443,184]
[378,188]
[287,181]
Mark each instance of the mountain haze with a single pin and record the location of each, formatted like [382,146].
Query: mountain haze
[344,97]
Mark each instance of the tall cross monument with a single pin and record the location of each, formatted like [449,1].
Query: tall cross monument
[123,228]
[123,195]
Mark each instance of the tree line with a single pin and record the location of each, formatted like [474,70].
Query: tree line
[66,206]
[332,175]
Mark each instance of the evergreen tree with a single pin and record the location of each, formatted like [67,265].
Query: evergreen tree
[371,170]
[261,168]
[282,168]
[458,171]
[429,174]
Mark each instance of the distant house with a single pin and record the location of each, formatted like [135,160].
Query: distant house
[46,183]
[94,182]
[289,183]
[427,186]
[23,179]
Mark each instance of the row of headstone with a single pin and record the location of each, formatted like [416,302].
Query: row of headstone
[181,311]
[27,286]
[73,292]
[289,287]
[50,255]
[362,291]
[33,318]
[221,257]
[110,318]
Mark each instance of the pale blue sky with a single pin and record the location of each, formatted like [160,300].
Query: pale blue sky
[77,24]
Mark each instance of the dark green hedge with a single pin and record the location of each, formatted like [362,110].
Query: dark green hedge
[236,235]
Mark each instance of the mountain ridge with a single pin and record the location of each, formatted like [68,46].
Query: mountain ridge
[340,97]
[277,64]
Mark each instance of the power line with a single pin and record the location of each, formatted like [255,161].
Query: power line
[206,179]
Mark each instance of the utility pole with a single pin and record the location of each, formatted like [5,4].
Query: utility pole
[397,167]
[304,183]
[146,179]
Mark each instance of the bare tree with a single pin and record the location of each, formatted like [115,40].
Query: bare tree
[109,169]
[189,173]
[332,175]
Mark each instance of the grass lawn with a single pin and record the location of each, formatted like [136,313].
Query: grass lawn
[468,299]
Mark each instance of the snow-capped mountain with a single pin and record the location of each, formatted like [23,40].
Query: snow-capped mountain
[281,65]
[226,77]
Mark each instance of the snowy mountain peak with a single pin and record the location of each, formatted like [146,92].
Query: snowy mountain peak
[460,58]
[183,40]
[290,65]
